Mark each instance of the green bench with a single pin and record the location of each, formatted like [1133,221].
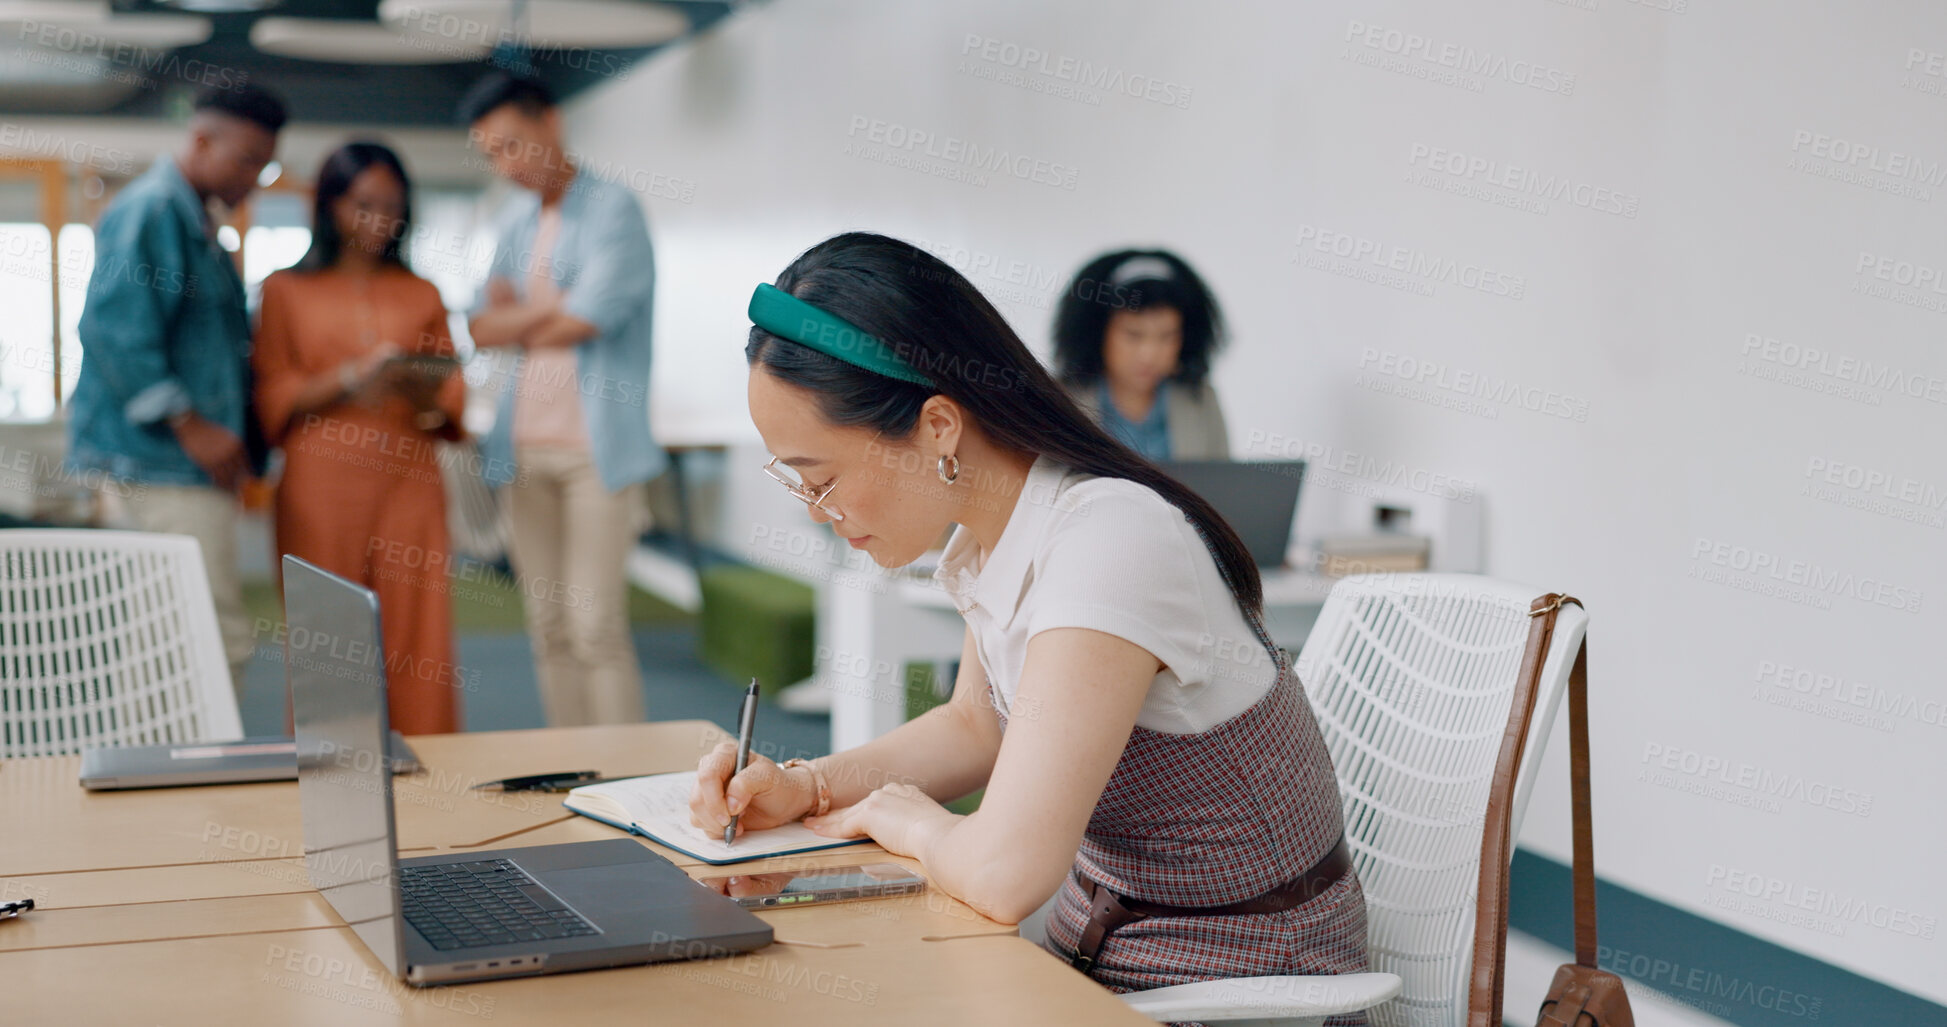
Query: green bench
[756,624]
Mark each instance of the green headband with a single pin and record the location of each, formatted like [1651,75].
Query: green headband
[789,317]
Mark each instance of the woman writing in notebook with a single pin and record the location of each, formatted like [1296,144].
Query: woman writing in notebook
[1148,758]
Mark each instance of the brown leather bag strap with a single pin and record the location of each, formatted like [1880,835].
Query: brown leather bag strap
[1491,917]
[1578,765]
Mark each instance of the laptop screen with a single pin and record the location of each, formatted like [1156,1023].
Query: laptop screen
[1258,498]
[336,673]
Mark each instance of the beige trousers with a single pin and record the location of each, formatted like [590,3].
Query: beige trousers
[210,517]
[569,539]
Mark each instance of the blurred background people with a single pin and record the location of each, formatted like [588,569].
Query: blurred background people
[570,286]
[163,398]
[1134,336]
[356,383]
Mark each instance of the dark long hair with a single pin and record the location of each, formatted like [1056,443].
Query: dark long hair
[1103,287]
[927,312]
[334,179]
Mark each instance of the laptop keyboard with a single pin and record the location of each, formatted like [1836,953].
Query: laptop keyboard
[487,902]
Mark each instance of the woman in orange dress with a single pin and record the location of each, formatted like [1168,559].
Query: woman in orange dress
[351,384]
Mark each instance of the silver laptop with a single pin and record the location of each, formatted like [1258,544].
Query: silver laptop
[1259,498]
[474,915]
[258,758]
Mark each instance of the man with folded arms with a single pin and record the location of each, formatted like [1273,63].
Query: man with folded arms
[570,290]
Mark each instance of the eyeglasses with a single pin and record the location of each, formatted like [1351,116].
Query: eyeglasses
[787,477]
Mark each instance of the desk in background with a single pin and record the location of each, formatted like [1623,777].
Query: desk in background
[870,627]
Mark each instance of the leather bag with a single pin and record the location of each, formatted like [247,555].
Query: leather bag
[1581,994]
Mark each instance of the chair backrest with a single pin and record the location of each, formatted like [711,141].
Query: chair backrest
[108,638]
[1411,677]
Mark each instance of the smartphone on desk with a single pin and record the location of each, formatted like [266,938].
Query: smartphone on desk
[819,885]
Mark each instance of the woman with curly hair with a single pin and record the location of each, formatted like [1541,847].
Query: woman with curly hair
[1134,336]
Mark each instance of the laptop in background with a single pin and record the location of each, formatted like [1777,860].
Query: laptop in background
[475,915]
[259,758]
[1259,499]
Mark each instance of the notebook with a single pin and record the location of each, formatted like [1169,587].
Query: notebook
[657,807]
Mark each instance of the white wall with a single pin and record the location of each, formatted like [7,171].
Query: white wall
[1679,436]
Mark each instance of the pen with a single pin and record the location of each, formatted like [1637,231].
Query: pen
[556,782]
[560,781]
[746,728]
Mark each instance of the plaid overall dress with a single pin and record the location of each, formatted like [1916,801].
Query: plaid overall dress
[1209,819]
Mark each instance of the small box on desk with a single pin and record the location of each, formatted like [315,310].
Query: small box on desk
[1346,555]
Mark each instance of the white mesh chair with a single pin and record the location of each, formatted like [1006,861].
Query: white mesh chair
[1411,677]
[108,638]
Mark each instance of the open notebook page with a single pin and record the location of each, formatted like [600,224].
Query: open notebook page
[659,806]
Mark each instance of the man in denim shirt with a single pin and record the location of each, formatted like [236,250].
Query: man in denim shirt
[570,287]
[163,399]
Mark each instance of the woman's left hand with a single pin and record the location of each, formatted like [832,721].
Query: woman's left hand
[899,817]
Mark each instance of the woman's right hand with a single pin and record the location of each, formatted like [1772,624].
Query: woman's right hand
[360,374]
[764,795]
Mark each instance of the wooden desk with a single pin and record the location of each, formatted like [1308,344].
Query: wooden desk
[327,978]
[196,900]
[74,829]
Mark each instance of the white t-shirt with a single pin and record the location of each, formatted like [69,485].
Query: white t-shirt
[1110,555]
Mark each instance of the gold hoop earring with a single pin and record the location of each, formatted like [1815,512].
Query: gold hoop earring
[948,476]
